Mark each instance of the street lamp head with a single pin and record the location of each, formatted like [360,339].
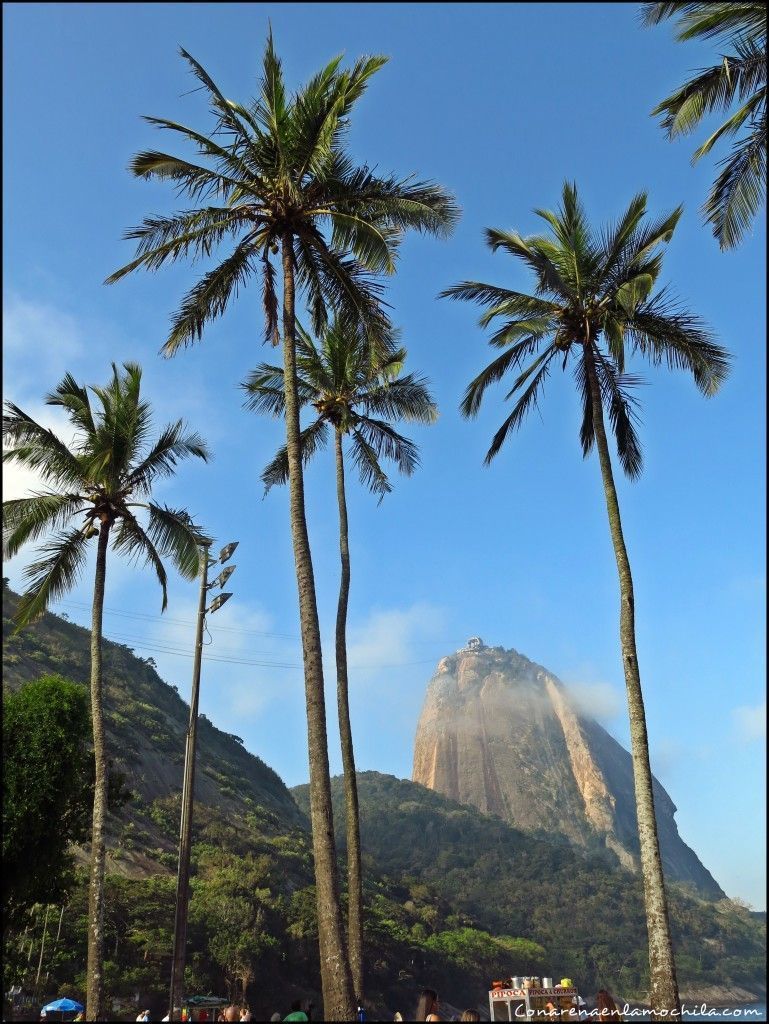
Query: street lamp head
[217,602]
[227,551]
[222,578]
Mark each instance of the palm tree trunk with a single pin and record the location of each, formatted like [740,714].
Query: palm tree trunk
[334,967]
[354,883]
[664,985]
[94,983]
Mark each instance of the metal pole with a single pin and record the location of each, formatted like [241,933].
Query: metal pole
[42,947]
[185,829]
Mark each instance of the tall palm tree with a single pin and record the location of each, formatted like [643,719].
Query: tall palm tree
[739,79]
[356,391]
[284,184]
[594,302]
[97,484]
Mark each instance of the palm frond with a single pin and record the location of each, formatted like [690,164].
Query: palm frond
[273,109]
[549,274]
[662,330]
[51,576]
[193,235]
[225,157]
[265,390]
[731,126]
[175,534]
[38,448]
[192,180]
[171,447]
[131,540]
[621,405]
[739,190]
[615,239]
[400,203]
[74,398]
[572,231]
[229,120]
[26,519]
[494,372]
[538,371]
[404,398]
[208,299]
[311,440]
[319,118]
[707,20]
[374,245]
[344,284]
[502,301]
[269,302]
[387,443]
[371,474]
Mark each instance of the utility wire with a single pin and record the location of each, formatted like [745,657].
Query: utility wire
[160,646]
[236,629]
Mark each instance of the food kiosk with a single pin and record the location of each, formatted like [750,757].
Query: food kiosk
[529,1000]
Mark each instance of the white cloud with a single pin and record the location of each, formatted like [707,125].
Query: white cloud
[750,721]
[19,482]
[232,693]
[600,701]
[35,336]
[394,638]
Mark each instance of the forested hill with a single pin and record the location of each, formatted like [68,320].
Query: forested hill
[146,725]
[453,897]
[586,912]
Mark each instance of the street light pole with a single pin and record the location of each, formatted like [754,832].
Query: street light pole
[188,784]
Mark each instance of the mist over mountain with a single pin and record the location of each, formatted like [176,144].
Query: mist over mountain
[501,733]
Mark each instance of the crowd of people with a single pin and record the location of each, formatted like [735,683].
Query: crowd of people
[427,1009]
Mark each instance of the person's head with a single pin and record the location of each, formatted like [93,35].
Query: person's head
[470,1015]
[604,1003]
[428,1003]
[232,1012]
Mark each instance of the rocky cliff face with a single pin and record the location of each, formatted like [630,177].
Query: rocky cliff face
[500,733]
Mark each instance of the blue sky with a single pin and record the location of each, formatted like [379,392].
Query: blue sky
[500,104]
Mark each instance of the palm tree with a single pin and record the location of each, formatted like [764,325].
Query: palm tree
[739,78]
[355,389]
[96,484]
[594,300]
[285,184]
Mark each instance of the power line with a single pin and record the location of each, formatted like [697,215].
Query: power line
[237,629]
[159,646]
[180,622]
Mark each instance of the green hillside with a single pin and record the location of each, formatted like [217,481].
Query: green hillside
[146,724]
[252,911]
[453,898]
[586,914]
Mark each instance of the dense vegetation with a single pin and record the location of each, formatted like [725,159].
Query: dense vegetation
[452,898]
[46,796]
[588,915]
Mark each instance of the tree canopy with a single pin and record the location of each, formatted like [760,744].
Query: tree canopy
[46,790]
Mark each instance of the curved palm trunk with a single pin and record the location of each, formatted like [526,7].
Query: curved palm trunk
[664,984]
[354,883]
[335,970]
[94,983]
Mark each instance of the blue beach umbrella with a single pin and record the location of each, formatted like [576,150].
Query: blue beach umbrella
[64,1006]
